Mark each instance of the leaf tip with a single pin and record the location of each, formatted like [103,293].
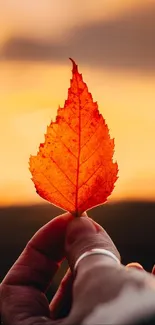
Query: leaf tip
[75,67]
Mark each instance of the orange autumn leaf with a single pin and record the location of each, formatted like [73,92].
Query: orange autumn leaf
[74,168]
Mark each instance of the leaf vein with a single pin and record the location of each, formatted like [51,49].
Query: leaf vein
[69,126]
[91,135]
[64,144]
[96,149]
[62,171]
[92,195]
[57,189]
[94,172]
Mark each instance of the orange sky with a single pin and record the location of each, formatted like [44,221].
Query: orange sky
[31,92]
[46,18]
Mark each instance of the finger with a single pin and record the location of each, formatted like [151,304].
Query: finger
[40,259]
[84,234]
[135,265]
[153,270]
[61,303]
[22,289]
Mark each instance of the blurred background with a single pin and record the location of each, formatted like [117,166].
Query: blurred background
[113,43]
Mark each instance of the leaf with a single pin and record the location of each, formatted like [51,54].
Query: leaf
[74,168]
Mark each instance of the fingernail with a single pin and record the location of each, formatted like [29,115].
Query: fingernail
[153,270]
[135,265]
[79,227]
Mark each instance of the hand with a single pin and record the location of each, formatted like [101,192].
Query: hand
[105,292]
[98,282]
[22,292]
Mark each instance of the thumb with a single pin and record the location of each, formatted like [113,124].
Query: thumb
[84,234]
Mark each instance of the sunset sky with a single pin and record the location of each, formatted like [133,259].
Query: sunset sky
[113,43]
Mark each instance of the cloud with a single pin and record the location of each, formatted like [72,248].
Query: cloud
[126,42]
[30,49]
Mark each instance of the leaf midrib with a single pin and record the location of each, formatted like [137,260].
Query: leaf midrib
[79,151]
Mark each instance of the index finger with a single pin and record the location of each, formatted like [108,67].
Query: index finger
[23,287]
[40,259]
